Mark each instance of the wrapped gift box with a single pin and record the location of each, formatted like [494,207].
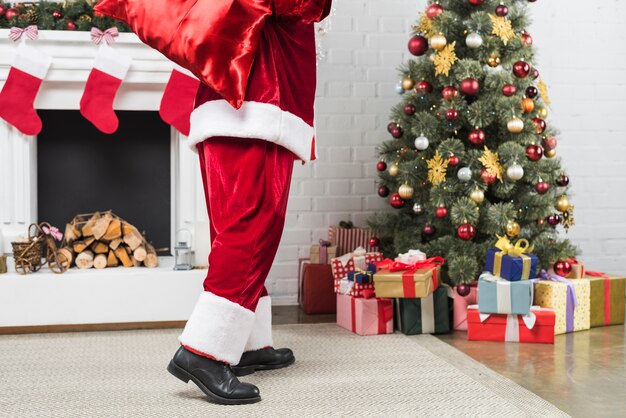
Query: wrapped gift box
[349,263]
[460,307]
[509,267]
[357,290]
[365,316]
[347,239]
[322,253]
[429,315]
[504,297]
[570,299]
[578,270]
[412,283]
[361,277]
[536,327]
[607,299]
[317,293]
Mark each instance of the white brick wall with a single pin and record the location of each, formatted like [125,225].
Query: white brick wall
[581,56]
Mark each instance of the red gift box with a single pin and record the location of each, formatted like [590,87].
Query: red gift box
[348,263]
[513,328]
[317,295]
[347,239]
[365,316]
[460,307]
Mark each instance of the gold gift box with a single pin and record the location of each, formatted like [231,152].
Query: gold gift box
[549,294]
[315,253]
[616,300]
[390,284]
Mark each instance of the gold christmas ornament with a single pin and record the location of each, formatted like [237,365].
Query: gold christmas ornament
[405,191]
[502,28]
[437,167]
[513,229]
[477,195]
[515,125]
[491,161]
[394,170]
[438,42]
[408,83]
[444,59]
[542,112]
[551,153]
[494,61]
[543,91]
[562,205]
[568,218]
[528,105]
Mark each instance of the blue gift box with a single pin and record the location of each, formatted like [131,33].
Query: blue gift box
[362,278]
[510,268]
[499,296]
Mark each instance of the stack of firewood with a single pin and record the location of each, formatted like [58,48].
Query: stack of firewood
[103,239]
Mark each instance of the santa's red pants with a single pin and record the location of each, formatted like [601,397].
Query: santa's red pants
[246,185]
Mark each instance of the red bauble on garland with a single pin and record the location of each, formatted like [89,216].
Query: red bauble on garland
[476,137]
[453,161]
[71,25]
[374,242]
[562,268]
[502,10]
[381,166]
[470,86]
[452,115]
[449,93]
[3,10]
[509,90]
[542,187]
[383,191]
[521,69]
[488,178]
[11,13]
[396,201]
[418,45]
[466,232]
[540,125]
[441,212]
[57,14]
[410,110]
[424,87]
[434,10]
[534,152]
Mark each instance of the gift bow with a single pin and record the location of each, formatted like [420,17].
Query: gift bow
[108,35]
[572,300]
[16,33]
[325,243]
[422,264]
[521,247]
[53,231]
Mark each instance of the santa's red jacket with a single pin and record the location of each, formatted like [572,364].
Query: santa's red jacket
[256,59]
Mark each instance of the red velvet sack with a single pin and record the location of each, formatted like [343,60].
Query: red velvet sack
[317,293]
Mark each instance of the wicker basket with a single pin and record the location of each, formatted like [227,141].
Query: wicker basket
[29,253]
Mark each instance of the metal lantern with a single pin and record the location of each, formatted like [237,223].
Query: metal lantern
[182,251]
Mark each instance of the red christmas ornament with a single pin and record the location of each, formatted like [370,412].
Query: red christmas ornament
[434,10]
[70,25]
[476,137]
[542,187]
[453,161]
[418,45]
[540,125]
[381,166]
[534,152]
[429,230]
[470,86]
[3,10]
[509,90]
[554,219]
[475,2]
[487,178]
[532,92]
[449,93]
[383,191]
[502,10]
[392,126]
[396,201]
[549,143]
[528,40]
[466,232]
[409,110]
[563,181]
[11,13]
[374,242]
[397,132]
[441,212]
[452,115]
[57,14]
[521,69]
[463,290]
[424,87]
[535,74]
[562,268]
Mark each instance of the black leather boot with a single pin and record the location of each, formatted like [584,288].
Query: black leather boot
[214,378]
[263,359]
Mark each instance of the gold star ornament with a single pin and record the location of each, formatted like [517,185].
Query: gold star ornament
[491,161]
[437,167]
[424,26]
[502,28]
[444,59]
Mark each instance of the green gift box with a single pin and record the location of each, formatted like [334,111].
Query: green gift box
[428,315]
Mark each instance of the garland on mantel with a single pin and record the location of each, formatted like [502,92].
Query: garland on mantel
[68,15]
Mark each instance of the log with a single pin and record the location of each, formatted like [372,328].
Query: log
[87,230]
[112,260]
[136,263]
[100,261]
[101,225]
[132,237]
[122,255]
[84,260]
[67,254]
[100,247]
[151,260]
[79,246]
[113,231]
[140,253]
[3,264]
[115,243]
[72,233]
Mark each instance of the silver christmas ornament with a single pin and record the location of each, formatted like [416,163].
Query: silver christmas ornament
[464,174]
[515,172]
[421,142]
[399,88]
[418,209]
[474,40]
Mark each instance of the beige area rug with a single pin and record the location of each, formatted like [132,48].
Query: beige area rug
[122,374]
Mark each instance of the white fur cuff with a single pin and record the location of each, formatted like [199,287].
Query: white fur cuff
[218,327]
[261,335]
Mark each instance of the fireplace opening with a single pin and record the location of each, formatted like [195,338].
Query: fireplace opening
[82,170]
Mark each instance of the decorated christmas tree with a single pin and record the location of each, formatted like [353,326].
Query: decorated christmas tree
[472,156]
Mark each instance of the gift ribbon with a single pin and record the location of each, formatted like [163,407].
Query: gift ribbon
[607,294]
[108,35]
[572,301]
[16,33]
[53,231]
[324,251]
[408,279]
[521,247]
[427,308]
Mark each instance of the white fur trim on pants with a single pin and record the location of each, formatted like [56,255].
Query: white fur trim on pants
[252,120]
[218,327]
[261,335]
